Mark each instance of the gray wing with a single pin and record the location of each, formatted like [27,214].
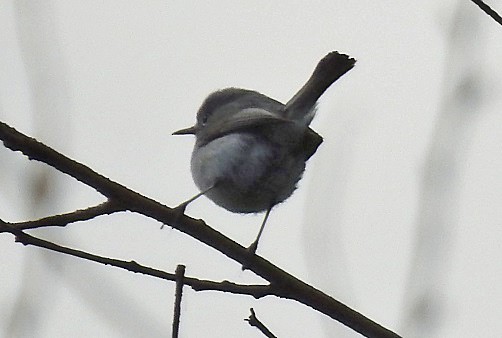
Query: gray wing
[244,119]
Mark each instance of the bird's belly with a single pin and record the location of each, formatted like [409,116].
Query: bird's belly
[248,174]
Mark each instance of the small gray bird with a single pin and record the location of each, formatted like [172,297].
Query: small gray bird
[250,150]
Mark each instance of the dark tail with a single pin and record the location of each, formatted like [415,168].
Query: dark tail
[328,70]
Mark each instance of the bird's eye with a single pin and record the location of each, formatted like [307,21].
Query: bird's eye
[204,119]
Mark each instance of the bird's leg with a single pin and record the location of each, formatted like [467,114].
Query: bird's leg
[252,248]
[180,209]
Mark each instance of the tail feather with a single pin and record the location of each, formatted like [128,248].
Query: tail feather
[328,70]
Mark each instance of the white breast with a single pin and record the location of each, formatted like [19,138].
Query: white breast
[239,157]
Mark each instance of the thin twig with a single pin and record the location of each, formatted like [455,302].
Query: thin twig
[62,220]
[488,10]
[253,321]
[256,291]
[284,284]
[180,276]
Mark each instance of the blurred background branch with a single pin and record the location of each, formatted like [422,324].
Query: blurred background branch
[426,303]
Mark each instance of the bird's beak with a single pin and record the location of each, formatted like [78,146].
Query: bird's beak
[186,131]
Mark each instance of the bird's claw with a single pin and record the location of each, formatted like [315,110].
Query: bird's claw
[180,209]
[178,212]
[252,248]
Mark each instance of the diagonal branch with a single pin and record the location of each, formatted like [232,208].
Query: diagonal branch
[257,291]
[287,285]
[62,220]
[254,321]
[488,10]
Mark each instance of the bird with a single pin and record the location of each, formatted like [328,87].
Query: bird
[251,150]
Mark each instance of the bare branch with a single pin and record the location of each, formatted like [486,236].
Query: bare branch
[488,10]
[180,276]
[62,220]
[253,321]
[284,284]
[257,291]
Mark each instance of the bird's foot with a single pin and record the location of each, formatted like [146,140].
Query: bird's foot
[178,212]
[252,248]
